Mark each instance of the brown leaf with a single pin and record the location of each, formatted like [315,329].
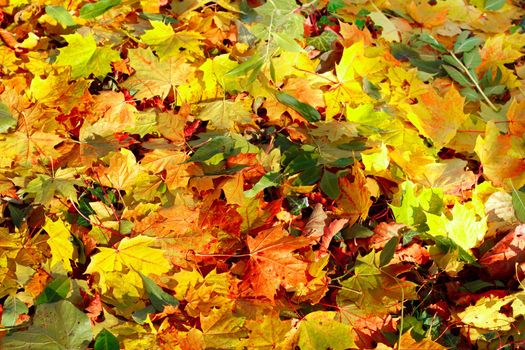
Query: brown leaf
[317,222]
[500,261]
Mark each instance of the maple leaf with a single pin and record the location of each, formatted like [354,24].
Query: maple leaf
[354,200]
[436,117]
[221,328]
[368,327]
[486,314]
[404,85]
[267,333]
[354,65]
[85,58]
[216,82]
[166,43]
[204,294]
[154,77]
[272,263]
[62,249]
[500,49]
[500,261]
[319,330]
[44,187]
[226,115]
[465,228]
[516,117]
[132,253]
[60,324]
[177,171]
[406,341]
[53,91]
[121,172]
[171,126]
[373,289]
[27,148]
[111,107]
[413,206]
[495,152]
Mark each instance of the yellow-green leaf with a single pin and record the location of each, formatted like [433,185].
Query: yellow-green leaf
[465,228]
[166,42]
[85,58]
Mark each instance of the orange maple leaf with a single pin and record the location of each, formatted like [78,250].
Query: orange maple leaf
[272,263]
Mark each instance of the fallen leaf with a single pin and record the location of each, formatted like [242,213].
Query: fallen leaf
[272,263]
[500,261]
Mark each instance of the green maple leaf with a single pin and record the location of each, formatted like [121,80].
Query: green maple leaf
[57,325]
[44,187]
[85,58]
[163,39]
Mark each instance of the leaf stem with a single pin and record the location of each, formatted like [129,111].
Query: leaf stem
[474,81]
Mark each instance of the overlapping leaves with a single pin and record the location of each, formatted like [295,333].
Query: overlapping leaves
[262,174]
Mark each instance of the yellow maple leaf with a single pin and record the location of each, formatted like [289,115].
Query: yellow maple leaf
[356,63]
[227,115]
[62,249]
[485,314]
[436,117]
[168,43]
[465,229]
[495,151]
[215,81]
[53,91]
[501,49]
[173,163]
[122,170]
[268,333]
[516,117]
[132,253]
[402,85]
[154,76]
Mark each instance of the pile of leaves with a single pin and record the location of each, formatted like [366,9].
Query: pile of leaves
[198,174]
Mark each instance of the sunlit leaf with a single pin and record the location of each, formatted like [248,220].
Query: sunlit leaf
[84,56]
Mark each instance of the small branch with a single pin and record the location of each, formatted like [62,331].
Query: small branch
[473,80]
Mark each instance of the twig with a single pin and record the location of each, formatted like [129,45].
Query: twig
[474,81]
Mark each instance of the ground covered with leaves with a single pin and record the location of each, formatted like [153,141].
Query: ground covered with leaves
[342,174]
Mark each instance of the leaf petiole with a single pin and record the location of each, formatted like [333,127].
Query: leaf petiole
[473,80]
